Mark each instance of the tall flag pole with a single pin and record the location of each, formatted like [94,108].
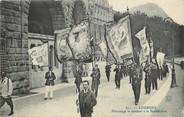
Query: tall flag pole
[130,28]
[106,46]
[91,40]
[94,41]
[151,47]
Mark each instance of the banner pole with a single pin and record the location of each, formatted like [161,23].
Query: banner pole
[93,43]
[106,43]
[130,33]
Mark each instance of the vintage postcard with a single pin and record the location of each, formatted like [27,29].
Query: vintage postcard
[92,58]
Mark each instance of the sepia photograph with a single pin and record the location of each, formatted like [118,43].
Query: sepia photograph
[92,58]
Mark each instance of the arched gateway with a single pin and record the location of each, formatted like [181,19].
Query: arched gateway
[26,23]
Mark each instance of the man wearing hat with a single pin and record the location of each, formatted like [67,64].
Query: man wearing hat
[136,82]
[6,89]
[148,79]
[95,79]
[117,71]
[108,71]
[77,72]
[50,77]
[154,75]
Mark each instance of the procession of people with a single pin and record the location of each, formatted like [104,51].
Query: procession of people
[147,69]
[147,73]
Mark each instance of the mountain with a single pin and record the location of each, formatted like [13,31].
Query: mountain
[150,9]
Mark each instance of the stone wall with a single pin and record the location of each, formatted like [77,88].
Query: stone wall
[14,33]
[14,22]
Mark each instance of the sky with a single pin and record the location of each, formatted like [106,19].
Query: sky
[173,8]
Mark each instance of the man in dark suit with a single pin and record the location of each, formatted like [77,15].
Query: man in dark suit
[117,76]
[77,72]
[95,79]
[154,75]
[136,82]
[130,72]
[148,79]
[87,100]
[108,71]
[50,77]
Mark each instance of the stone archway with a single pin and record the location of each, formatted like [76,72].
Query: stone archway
[14,35]
[49,15]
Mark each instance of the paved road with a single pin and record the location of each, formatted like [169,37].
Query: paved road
[110,102]
[174,100]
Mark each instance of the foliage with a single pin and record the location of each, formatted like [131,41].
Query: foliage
[156,28]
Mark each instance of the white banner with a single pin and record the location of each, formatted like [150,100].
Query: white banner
[39,55]
[151,48]
[160,59]
[145,49]
[142,57]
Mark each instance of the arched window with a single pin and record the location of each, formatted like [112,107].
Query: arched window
[39,18]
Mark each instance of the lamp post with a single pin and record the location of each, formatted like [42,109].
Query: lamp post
[173,82]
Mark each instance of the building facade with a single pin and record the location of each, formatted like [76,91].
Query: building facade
[100,13]
[29,23]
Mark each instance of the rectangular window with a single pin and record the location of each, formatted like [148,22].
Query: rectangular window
[3,55]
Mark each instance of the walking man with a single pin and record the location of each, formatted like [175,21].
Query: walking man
[108,71]
[78,78]
[95,79]
[117,76]
[50,77]
[136,83]
[154,76]
[148,79]
[6,89]
[87,100]
[130,72]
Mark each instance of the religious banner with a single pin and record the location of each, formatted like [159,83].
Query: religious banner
[119,40]
[142,57]
[39,55]
[79,41]
[145,49]
[110,59]
[103,47]
[63,52]
[106,52]
[160,59]
[141,35]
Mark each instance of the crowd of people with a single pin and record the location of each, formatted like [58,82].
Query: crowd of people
[151,74]
[87,96]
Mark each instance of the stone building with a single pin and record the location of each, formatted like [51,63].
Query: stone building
[100,13]
[29,23]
